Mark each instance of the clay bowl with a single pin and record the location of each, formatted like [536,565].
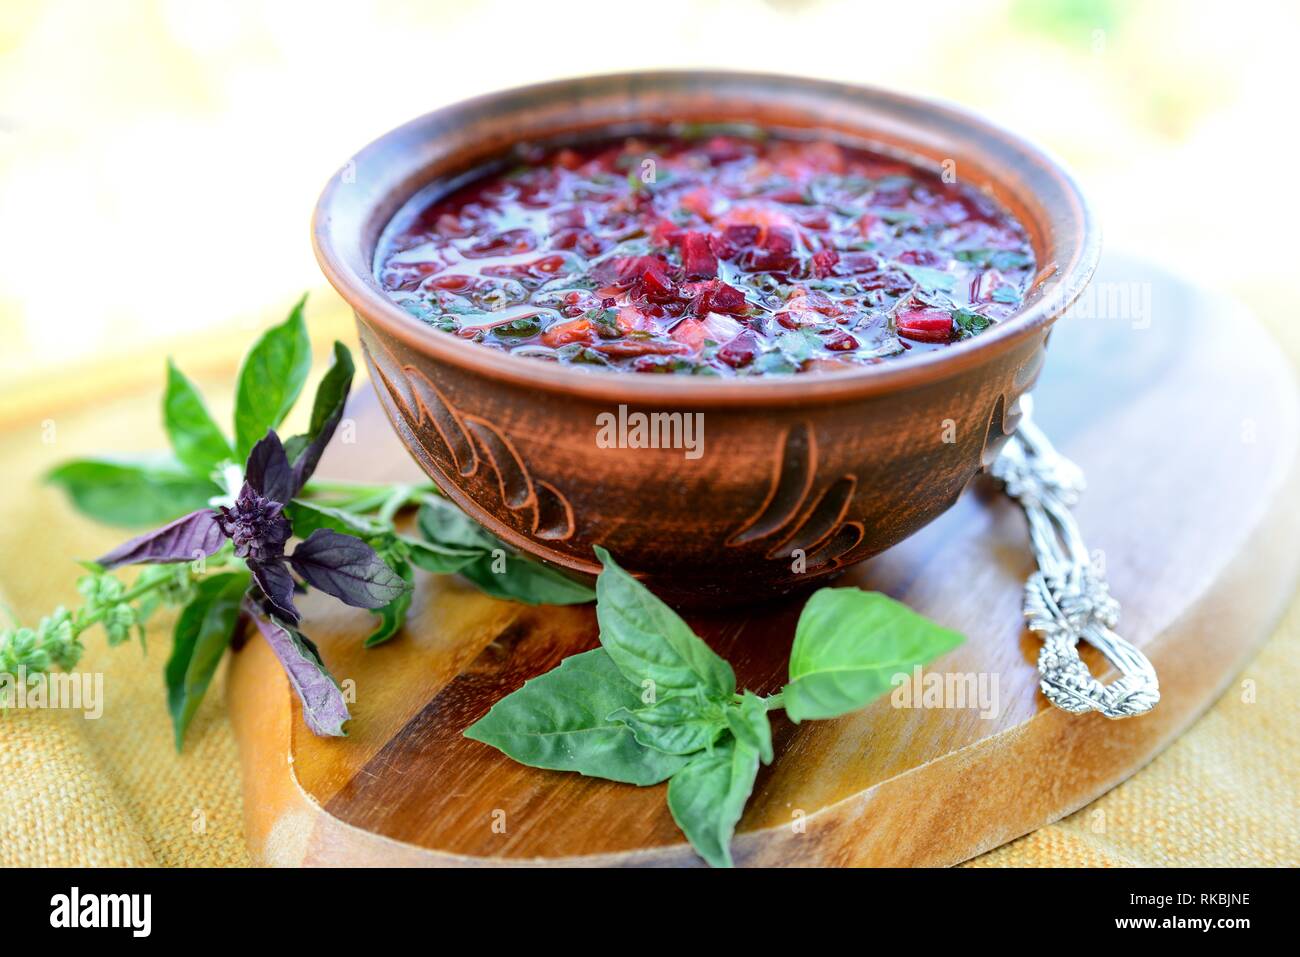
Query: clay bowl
[800,476]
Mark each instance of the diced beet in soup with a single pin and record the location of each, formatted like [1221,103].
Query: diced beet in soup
[713,252]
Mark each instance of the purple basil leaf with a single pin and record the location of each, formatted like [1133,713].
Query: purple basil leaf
[326,413]
[276,585]
[323,707]
[268,470]
[191,536]
[346,568]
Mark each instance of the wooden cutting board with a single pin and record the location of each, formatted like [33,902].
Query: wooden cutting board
[1184,418]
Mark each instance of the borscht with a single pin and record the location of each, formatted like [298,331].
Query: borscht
[708,251]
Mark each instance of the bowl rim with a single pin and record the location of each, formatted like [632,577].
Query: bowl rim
[374,307]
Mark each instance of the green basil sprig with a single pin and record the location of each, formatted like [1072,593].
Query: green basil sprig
[655,703]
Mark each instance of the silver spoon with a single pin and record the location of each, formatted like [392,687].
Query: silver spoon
[1067,599]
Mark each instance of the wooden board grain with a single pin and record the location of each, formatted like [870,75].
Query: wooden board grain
[1186,422]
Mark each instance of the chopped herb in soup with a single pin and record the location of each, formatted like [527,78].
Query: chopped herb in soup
[716,252]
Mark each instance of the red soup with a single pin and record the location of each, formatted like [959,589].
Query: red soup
[708,252]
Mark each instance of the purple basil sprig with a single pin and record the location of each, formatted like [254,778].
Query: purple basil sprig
[259,519]
[337,564]
[259,529]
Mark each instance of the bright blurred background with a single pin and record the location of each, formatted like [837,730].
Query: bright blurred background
[159,159]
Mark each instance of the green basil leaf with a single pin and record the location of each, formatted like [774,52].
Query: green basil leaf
[294,446]
[849,644]
[682,724]
[558,721]
[520,579]
[438,559]
[306,517]
[749,724]
[393,615]
[649,641]
[195,437]
[455,542]
[132,494]
[707,798]
[270,379]
[202,633]
[443,523]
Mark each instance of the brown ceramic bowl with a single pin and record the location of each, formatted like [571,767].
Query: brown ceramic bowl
[800,475]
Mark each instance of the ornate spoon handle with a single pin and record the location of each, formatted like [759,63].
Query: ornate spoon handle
[1067,599]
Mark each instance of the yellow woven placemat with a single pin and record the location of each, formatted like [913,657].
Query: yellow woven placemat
[112,791]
